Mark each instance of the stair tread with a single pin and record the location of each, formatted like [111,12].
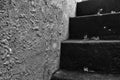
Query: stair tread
[95,6]
[67,75]
[105,27]
[91,41]
[99,15]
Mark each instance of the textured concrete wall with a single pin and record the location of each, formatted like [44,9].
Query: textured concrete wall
[71,7]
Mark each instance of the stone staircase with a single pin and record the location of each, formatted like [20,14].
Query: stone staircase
[92,50]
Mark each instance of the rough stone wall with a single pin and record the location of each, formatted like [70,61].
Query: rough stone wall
[71,7]
[30,36]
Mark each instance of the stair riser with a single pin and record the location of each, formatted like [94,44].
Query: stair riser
[91,7]
[105,27]
[97,57]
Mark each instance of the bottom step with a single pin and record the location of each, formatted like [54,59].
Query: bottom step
[67,75]
[101,56]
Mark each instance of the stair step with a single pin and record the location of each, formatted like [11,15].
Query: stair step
[101,56]
[90,7]
[68,75]
[105,27]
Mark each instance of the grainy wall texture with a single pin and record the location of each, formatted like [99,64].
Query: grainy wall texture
[30,36]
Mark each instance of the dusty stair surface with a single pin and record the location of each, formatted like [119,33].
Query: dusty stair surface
[90,7]
[90,56]
[101,56]
[92,50]
[68,75]
[105,26]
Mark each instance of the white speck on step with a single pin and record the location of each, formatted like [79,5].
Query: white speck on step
[86,69]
